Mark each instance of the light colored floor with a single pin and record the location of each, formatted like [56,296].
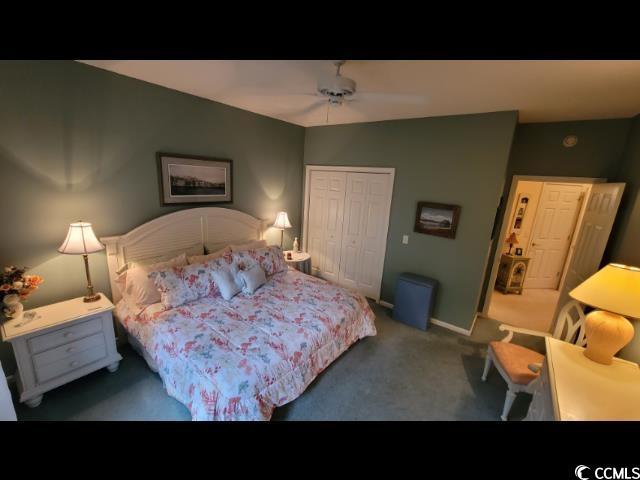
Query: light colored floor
[533,309]
[400,374]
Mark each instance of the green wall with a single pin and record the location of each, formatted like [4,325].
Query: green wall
[538,150]
[458,160]
[77,142]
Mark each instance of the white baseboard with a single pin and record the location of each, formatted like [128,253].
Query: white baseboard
[435,321]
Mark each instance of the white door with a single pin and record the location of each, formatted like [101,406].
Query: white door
[326,208]
[603,202]
[552,231]
[364,232]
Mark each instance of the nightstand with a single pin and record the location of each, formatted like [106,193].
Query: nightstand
[58,343]
[300,260]
[511,273]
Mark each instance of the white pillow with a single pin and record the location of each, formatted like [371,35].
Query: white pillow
[139,290]
[252,278]
[249,245]
[210,256]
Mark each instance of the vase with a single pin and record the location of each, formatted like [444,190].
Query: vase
[12,306]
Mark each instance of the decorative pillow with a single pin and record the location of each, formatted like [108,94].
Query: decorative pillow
[226,283]
[271,259]
[210,256]
[249,245]
[194,250]
[138,290]
[244,259]
[174,291]
[252,278]
[198,278]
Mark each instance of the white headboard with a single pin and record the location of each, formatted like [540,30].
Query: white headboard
[177,231]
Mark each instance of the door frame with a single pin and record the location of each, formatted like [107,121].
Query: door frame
[495,262]
[331,168]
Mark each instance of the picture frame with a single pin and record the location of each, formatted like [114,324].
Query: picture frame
[518,252]
[194,179]
[438,219]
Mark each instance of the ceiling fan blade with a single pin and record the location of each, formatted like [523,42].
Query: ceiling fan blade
[388,97]
[310,108]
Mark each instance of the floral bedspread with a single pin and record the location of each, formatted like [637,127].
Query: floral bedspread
[239,359]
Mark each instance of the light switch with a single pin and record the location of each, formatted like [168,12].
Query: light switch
[405,239]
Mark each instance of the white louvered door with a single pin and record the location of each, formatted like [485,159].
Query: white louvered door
[347,227]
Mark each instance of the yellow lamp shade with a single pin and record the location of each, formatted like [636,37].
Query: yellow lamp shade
[615,288]
[282,221]
[80,240]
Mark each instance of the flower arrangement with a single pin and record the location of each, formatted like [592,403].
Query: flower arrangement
[16,286]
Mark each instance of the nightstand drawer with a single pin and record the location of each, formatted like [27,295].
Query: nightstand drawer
[67,350]
[70,363]
[65,335]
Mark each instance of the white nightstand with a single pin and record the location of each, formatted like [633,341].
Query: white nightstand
[300,261]
[62,342]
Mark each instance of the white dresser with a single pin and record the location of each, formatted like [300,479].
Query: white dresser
[60,343]
[572,387]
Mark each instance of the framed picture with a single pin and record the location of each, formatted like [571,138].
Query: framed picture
[437,219]
[518,252]
[194,179]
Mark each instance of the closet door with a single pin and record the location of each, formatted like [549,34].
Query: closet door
[363,238]
[326,210]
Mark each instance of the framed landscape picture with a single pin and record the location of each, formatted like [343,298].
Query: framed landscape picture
[437,219]
[194,179]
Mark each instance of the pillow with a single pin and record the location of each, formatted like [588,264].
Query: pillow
[138,290]
[249,245]
[194,250]
[226,283]
[174,291]
[214,247]
[198,278]
[271,259]
[252,278]
[209,256]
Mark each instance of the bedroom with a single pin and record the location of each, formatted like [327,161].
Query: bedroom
[81,140]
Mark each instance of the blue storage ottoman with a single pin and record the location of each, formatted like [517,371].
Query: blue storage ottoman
[414,299]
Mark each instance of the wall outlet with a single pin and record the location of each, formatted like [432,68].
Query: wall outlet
[405,239]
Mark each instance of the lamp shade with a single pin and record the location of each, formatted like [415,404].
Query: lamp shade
[513,238]
[282,221]
[615,288]
[80,240]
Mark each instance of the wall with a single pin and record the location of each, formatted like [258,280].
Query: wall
[538,150]
[625,245]
[77,142]
[459,160]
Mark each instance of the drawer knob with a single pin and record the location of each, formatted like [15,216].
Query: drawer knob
[68,334]
[73,364]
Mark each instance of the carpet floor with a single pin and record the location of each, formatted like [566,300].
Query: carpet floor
[400,374]
[533,309]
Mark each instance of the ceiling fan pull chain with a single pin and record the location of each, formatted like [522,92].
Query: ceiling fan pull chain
[328,106]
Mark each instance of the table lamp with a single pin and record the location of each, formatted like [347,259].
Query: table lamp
[512,240]
[282,222]
[81,241]
[615,292]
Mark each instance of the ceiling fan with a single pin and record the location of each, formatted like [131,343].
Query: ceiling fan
[338,90]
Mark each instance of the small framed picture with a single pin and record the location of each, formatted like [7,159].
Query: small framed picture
[437,219]
[518,252]
[194,179]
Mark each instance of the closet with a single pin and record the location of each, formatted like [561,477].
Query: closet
[346,223]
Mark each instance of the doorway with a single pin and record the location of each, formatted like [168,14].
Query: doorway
[539,235]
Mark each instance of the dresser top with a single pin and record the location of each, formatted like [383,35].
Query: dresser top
[52,315]
[586,390]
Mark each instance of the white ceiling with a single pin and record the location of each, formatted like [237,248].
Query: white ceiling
[542,91]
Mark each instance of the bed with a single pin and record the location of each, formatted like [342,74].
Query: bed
[242,358]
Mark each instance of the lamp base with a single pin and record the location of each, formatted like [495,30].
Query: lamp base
[91,298]
[606,334]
